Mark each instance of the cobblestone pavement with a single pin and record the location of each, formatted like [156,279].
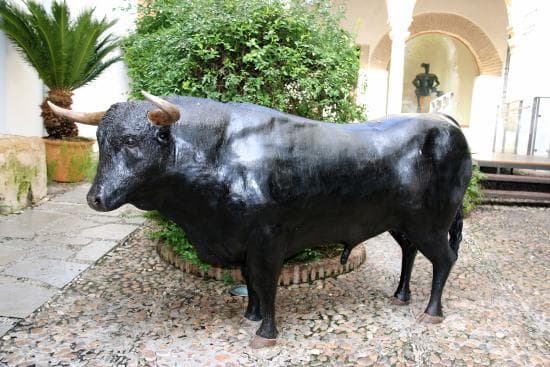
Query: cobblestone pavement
[132,309]
[45,247]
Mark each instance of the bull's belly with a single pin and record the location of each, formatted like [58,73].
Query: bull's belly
[349,228]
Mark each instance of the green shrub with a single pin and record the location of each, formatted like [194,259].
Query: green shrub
[280,54]
[315,254]
[474,195]
[172,235]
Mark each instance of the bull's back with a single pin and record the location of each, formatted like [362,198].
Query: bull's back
[356,161]
[352,182]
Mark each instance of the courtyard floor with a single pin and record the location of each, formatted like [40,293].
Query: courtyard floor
[132,309]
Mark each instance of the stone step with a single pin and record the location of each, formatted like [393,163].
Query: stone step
[534,196]
[545,180]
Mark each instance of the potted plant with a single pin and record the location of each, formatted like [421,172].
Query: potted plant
[67,54]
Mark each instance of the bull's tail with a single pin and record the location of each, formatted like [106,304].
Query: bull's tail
[455,232]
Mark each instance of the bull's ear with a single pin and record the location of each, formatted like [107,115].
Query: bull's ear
[163,134]
[166,114]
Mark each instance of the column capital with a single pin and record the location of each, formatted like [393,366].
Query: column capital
[400,18]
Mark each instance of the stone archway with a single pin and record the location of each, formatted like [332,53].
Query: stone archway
[485,53]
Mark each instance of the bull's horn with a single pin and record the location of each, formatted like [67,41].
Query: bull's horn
[88,118]
[167,114]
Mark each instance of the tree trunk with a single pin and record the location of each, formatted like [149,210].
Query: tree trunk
[58,127]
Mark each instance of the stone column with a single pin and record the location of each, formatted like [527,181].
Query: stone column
[399,18]
[377,92]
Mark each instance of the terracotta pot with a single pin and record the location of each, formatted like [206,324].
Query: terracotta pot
[68,161]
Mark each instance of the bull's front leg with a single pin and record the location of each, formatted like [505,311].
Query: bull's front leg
[264,261]
[253,308]
[264,277]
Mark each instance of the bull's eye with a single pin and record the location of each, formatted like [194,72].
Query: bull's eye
[163,134]
[130,141]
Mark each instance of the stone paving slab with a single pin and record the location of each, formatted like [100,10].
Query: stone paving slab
[57,252]
[27,224]
[124,217]
[9,254]
[6,323]
[54,272]
[73,227]
[109,231]
[95,250]
[45,247]
[19,299]
[17,243]
[60,239]
[75,196]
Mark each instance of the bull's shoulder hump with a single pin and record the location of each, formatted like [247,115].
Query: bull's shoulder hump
[257,120]
[249,108]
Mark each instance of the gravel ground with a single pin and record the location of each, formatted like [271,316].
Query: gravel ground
[132,309]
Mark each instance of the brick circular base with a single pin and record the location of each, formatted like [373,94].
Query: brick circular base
[291,273]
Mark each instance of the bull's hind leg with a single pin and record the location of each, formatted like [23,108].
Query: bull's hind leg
[436,248]
[402,295]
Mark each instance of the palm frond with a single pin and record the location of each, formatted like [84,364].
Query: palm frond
[14,22]
[44,27]
[67,53]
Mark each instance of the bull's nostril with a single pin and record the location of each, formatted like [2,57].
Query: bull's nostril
[97,200]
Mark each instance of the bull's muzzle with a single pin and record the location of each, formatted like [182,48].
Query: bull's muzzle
[96,199]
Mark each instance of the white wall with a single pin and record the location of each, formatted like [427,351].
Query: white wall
[366,19]
[2,83]
[23,96]
[485,99]
[529,74]
[112,85]
[377,93]
[20,93]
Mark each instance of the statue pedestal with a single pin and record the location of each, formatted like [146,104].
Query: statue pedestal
[424,105]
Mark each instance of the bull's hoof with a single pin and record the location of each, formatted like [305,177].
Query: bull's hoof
[258,342]
[398,302]
[429,319]
[249,323]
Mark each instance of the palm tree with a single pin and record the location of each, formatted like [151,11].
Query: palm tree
[66,53]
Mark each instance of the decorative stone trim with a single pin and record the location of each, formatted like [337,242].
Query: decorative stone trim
[291,273]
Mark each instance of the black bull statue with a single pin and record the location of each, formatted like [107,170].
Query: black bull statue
[252,186]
